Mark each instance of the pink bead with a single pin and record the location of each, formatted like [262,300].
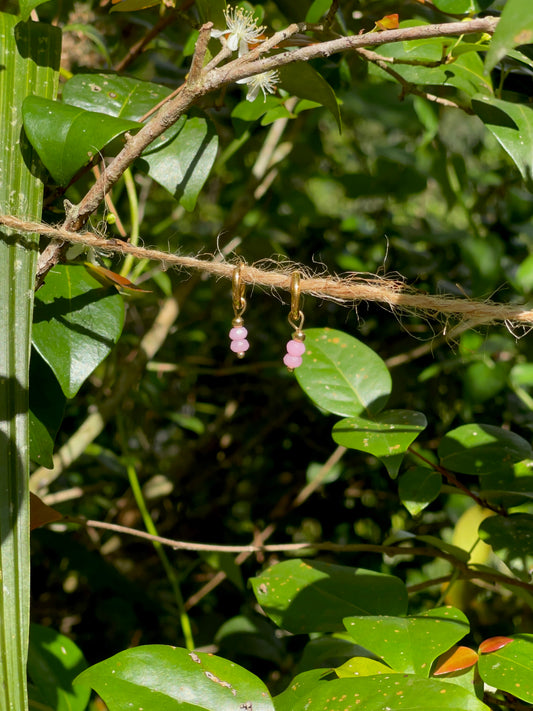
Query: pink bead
[239,346]
[238,334]
[295,348]
[292,361]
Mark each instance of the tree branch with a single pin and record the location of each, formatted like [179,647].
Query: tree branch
[218,77]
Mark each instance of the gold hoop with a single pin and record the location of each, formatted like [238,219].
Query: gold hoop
[239,302]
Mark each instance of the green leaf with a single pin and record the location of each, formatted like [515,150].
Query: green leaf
[29,64]
[387,436]
[331,651]
[482,449]
[512,534]
[410,644]
[301,80]
[456,7]
[418,487]
[53,663]
[512,125]
[342,375]
[183,165]
[114,95]
[510,668]
[394,693]
[66,137]
[514,28]
[318,9]
[242,636]
[134,5]
[47,405]
[26,6]
[76,324]
[172,679]
[300,687]
[465,72]
[362,666]
[311,596]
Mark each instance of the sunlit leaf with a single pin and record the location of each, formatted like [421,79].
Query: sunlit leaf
[510,668]
[110,278]
[387,436]
[493,644]
[418,487]
[311,596]
[388,22]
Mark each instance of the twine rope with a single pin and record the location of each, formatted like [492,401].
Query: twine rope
[349,288]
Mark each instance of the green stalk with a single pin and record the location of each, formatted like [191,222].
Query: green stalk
[169,570]
[29,61]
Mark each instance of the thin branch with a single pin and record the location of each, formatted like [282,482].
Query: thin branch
[218,77]
[200,50]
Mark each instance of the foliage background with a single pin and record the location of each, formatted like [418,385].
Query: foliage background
[222,447]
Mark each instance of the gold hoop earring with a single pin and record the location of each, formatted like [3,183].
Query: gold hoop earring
[295,347]
[239,345]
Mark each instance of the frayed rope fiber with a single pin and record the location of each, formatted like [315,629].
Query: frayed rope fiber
[350,288]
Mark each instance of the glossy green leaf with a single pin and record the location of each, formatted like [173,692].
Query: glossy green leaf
[510,668]
[418,487]
[53,663]
[462,6]
[311,596]
[512,125]
[387,436]
[66,137]
[514,28]
[392,692]
[303,81]
[243,636]
[410,644]
[122,97]
[512,534]
[465,72]
[331,651]
[76,324]
[253,110]
[482,449]
[342,375]
[172,679]
[114,95]
[47,405]
[362,666]
[183,165]
[300,687]
[29,65]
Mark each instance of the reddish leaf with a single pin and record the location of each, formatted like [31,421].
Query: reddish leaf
[455,659]
[492,644]
[109,278]
[40,513]
[389,22]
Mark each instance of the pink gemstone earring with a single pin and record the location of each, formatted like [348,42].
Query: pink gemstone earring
[296,346]
[239,345]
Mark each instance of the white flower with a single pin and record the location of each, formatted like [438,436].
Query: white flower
[265,82]
[241,30]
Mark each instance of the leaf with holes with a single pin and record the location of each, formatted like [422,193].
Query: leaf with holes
[171,679]
[342,375]
[482,449]
[66,137]
[311,596]
[510,668]
[387,436]
[76,323]
[410,644]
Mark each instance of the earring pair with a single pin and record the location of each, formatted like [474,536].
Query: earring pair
[238,341]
